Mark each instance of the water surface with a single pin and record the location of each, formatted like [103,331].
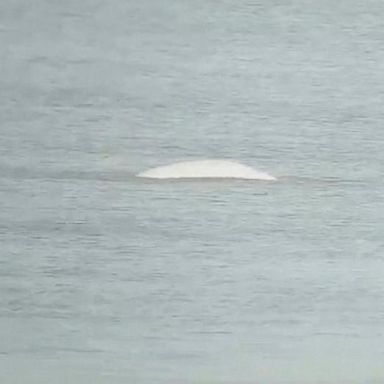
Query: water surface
[108,278]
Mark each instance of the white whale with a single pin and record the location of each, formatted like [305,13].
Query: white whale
[217,169]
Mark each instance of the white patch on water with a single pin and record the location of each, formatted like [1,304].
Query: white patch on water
[206,169]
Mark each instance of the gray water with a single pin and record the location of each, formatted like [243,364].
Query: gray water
[108,278]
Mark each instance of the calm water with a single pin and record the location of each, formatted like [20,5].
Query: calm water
[106,278]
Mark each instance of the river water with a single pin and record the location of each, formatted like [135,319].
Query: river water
[109,278]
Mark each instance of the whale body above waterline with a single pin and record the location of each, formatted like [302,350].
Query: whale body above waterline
[212,169]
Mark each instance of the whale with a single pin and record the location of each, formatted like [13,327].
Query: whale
[206,169]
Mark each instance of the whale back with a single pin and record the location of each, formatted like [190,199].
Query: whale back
[206,169]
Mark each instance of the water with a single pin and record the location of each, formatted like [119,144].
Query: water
[108,278]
